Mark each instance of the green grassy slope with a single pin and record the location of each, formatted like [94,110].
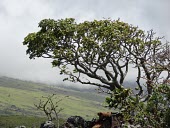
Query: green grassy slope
[18,98]
[12,121]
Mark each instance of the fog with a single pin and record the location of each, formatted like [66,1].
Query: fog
[20,17]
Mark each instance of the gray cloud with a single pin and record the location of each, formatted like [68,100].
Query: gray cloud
[20,17]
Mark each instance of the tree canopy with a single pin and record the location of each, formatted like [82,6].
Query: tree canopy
[100,52]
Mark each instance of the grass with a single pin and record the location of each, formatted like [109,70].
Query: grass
[18,98]
[13,121]
[28,121]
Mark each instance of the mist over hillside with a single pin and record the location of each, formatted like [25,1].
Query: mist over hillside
[70,86]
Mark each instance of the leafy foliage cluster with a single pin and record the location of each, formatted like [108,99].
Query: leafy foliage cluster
[154,113]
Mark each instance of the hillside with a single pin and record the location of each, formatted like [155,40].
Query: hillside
[18,97]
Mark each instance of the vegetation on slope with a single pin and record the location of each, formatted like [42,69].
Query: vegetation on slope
[18,98]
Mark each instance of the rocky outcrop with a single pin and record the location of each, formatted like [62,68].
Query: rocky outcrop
[105,120]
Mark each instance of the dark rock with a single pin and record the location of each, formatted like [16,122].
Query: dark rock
[76,121]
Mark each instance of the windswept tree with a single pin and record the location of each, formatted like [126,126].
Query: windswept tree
[100,52]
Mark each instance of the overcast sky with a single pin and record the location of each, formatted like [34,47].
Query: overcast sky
[20,17]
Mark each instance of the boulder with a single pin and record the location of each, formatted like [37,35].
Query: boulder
[48,124]
[76,121]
